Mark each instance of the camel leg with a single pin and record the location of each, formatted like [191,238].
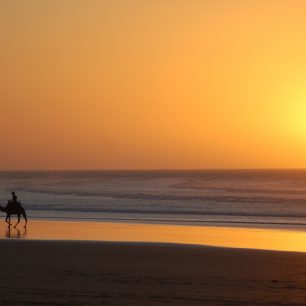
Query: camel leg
[25,218]
[8,220]
[17,220]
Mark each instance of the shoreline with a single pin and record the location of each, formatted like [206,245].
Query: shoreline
[285,239]
[276,225]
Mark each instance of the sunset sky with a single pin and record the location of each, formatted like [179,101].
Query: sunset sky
[134,84]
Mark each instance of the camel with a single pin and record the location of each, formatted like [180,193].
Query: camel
[14,209]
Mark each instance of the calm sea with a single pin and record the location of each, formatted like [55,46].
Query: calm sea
[251,196]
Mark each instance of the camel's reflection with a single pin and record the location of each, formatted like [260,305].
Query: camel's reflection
[15,233]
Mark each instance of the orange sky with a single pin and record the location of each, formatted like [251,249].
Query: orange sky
[129,84]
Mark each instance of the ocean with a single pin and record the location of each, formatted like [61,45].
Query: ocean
[161,196]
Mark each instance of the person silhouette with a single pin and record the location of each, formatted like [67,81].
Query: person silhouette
[14,197]
[14,201]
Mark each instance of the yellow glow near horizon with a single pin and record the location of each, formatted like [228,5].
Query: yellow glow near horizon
[152,84]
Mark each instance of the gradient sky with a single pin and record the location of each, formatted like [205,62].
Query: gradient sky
[133,84]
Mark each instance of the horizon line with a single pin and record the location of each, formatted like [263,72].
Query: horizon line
[150,169]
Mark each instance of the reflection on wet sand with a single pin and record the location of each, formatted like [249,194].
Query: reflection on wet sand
[289,239]
[15,233]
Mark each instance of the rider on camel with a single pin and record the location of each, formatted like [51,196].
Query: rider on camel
[14,197]
[14,200]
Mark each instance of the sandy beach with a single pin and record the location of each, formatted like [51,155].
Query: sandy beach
[96,273]
[58,269]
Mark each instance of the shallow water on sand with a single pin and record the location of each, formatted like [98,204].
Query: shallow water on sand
[233,237]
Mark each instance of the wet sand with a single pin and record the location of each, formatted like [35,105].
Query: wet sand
[285,239]
[110,273]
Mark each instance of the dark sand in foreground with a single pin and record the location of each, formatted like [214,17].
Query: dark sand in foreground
[105,273]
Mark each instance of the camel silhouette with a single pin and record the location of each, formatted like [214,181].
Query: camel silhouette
[14,208]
